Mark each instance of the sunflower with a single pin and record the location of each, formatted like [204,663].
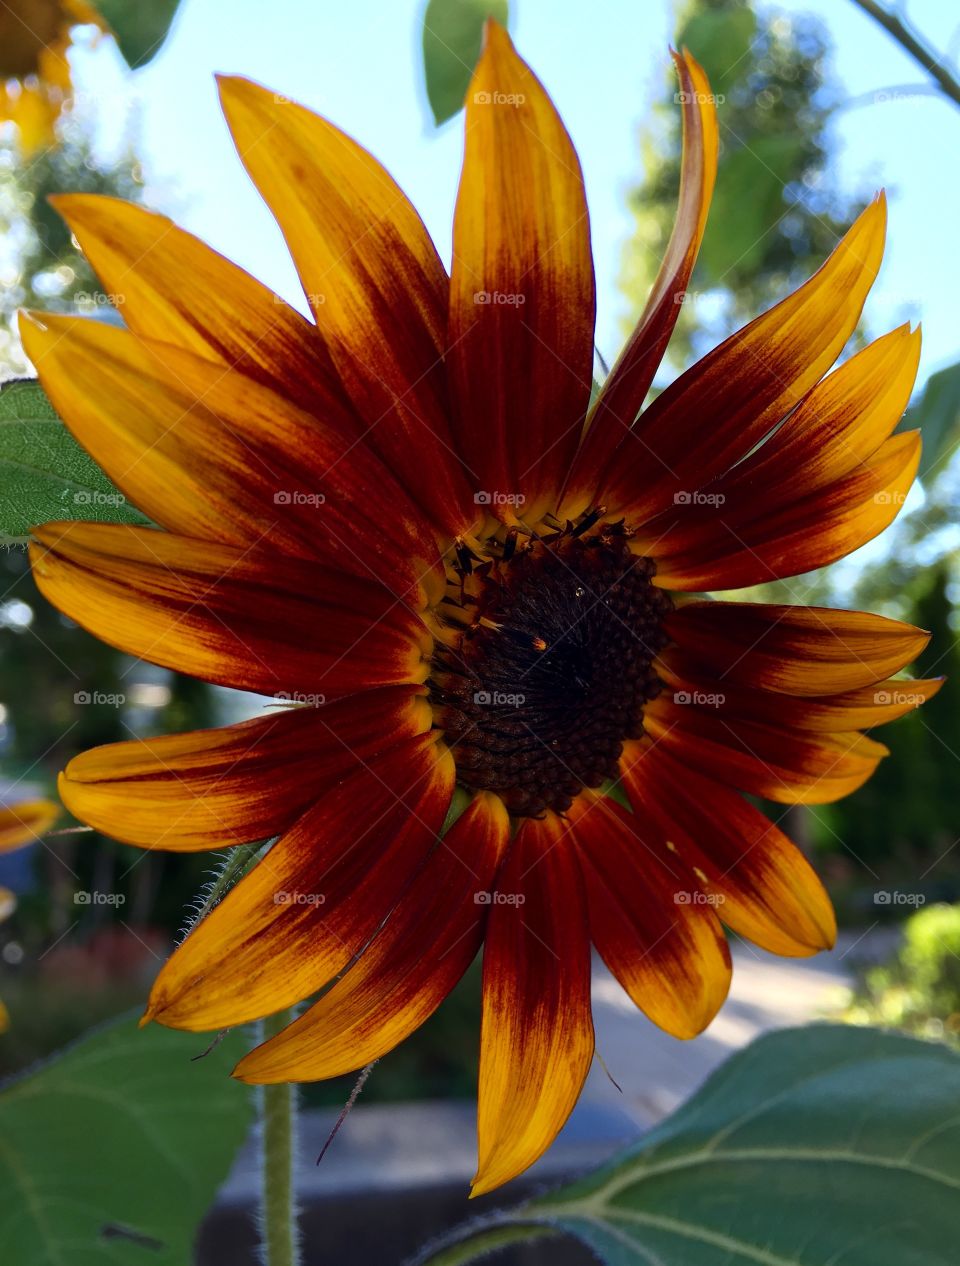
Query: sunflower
[35,82]
[507,719]
[20,826]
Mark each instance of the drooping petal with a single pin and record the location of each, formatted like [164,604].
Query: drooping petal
[852,710]
[536,1034]
[410,966]
[373,278]
[173,288]
[763,886]
[245,782]
[664,945]
[724,405]
[765,760]
[232,616]
[314,900]
[522,300]
[746,542]
[624,391]
[791,650]
[212,454]
[25,822]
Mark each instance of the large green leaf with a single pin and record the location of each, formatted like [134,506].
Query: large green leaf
[936,415]
[44,473]
[821,1146]
[111,1153]
[452,38]
[140,26]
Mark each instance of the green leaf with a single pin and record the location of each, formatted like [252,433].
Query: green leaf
[140,26]
[111,1154]
[936,415]
[452,38]
[44,473]
[812,1147]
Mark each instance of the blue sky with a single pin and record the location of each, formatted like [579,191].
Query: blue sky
[603,63]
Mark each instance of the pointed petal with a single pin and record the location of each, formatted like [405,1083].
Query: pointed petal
[314,900]
[622,395]
[173,288]
[373,278]
[212,454]
[24,823]
[666,948]
[765,760]
[762,885]
[724,405]
[409,967]
[536,1034]
[791,650]
[246,782]
[230,616]
[522,301]
[754,540]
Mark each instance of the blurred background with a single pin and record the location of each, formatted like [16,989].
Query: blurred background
[819,106]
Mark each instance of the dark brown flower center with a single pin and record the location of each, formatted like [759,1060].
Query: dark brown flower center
[552,668]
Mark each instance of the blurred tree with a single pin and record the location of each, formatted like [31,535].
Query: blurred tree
[774,217]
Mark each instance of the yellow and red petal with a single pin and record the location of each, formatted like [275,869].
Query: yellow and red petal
[791,650]
[24,823]
[522,295]
[212,454]
[860,709]
[536,1034]
[374,280]
[753,538]
[724,405]
[763,886]
[245,782]
[665,947]
[173,288]
[315,899]
[407,970]
[622,395]
[765,760]
[228,615]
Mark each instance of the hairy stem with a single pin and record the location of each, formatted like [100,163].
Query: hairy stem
[278,1113]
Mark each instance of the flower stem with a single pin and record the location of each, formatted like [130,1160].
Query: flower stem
[278,1114]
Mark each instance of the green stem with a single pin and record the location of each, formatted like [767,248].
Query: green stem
[920,51]
[278,1112]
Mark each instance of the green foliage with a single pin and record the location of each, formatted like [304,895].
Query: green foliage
[918,991]
[44,473]
[772,220]
[452,39]
[811,1147]
[113,1152]
[140,26]
[936,415]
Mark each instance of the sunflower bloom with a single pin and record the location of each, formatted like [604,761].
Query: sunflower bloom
[35,82]
[20,826]
[407,518]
